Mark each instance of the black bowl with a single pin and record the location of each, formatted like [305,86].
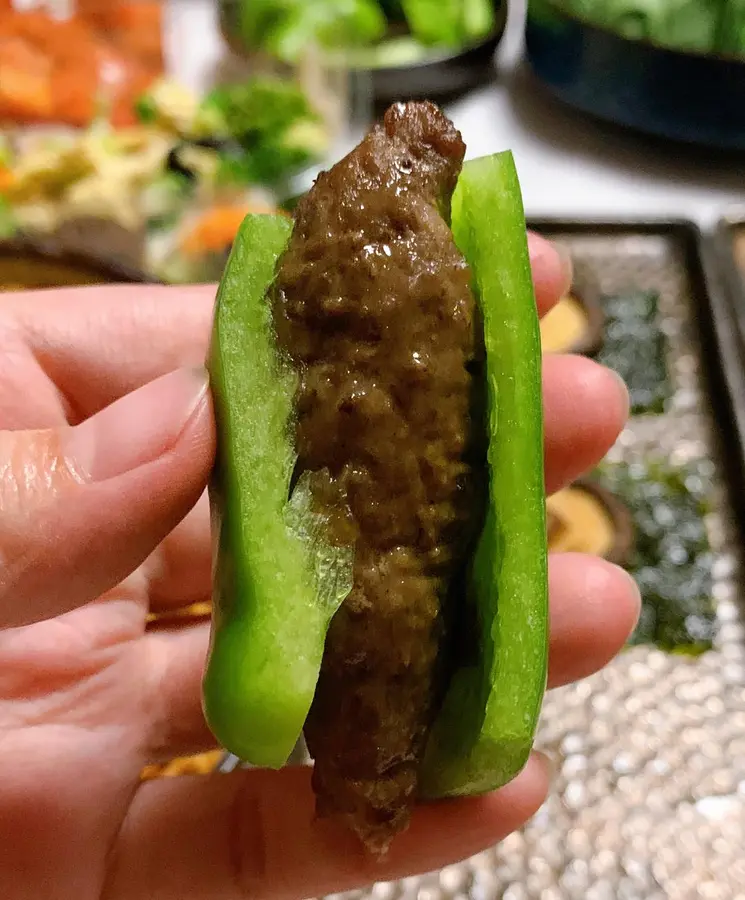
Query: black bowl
[443,76]
[685,96]
[438,77]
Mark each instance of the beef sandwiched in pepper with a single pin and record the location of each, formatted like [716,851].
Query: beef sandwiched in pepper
[378,501]
[373,305]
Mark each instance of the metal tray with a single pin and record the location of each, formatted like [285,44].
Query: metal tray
[725,246]
[648,799]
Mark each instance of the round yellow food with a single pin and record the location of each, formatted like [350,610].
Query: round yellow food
[564,327]
[582,524]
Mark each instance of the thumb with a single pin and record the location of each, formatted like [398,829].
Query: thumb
[81,507]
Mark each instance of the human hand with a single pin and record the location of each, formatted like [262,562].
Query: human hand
[104,458]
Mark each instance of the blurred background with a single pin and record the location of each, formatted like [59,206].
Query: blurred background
[136,135]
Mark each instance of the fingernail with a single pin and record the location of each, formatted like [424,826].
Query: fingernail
[567,266]
[550,764]
[138,428]
[552,268]
[633,589]
[623,393]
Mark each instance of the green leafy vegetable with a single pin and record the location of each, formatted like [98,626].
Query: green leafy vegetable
[332,23]
[259,131]
[146,109]
[730,36]
[273,125]
[478,19]
[264,164]
[402,50]
[260,106]
[449,22]
[709,26]
[634,347]
[672,559]
[287,27]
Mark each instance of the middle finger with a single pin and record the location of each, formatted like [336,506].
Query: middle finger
[594,606]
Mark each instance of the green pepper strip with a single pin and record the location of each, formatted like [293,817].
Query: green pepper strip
[276,583]
[486,726]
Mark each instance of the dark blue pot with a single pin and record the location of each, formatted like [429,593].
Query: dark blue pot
[687,97]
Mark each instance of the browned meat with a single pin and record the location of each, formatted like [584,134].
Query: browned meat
[373,304]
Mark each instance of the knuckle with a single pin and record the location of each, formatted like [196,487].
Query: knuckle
[34,475]
[34,472]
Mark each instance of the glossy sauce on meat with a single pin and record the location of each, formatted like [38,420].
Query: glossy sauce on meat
[373,304]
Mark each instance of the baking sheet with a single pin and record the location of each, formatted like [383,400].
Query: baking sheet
[648,799]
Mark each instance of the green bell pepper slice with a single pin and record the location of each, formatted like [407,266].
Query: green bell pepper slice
[486,726]
[277,583]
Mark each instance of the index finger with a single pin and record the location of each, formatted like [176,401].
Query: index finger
[98,343]
[552,272]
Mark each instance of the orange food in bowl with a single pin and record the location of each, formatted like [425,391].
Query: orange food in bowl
[54,70]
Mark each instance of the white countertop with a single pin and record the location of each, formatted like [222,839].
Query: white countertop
[569,166]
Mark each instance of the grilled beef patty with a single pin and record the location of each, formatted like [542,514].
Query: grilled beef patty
[373,304]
